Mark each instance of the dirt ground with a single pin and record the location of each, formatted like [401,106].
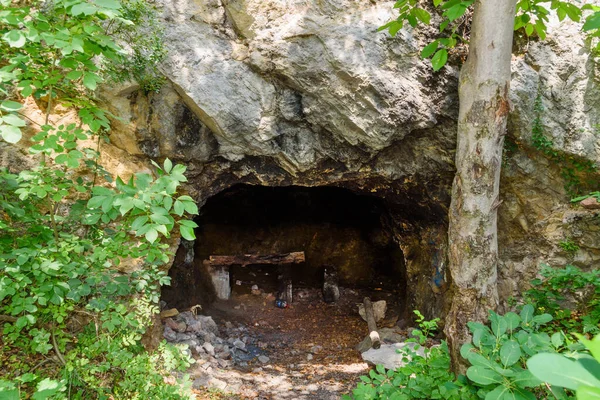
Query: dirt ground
[310,346]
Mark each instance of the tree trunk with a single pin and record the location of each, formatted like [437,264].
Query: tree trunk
[472,233]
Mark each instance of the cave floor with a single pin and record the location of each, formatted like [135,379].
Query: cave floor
[310,346]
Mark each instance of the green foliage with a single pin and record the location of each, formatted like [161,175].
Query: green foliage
[424,376]
[81,253]
[557,285]
[569,246]
[498,353]
[142,38]
[531,18]
[578,372]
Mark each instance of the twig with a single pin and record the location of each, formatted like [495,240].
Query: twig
[7,318]
[58,353]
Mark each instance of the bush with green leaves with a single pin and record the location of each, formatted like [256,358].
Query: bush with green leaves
[498,354]
[81,254]
[576,371]
[571,296]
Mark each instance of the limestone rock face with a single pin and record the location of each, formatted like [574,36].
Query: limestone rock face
[288,92]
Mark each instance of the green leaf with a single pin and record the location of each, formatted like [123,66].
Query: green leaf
[529,29]
[483,375]
[527,313]
[151,235]
[512,321]
[139,222]
[89,80]
[9,105]
[558,370]
[14,120]
[74,75]
[178,208]
[588,393]
[190,207]
[111,4]
[500,392]
[421,15]
[83,8]
[592,345]
[499,324]
[455,12]
[439,59]
[48,388]
[168,165]
[526,379]
[429,49]
[542,319]
[15,38]
[9,133]
[592,22]
[188,223]
[160,219]
[510,353]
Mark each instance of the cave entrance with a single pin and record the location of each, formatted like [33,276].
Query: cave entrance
[259,234]
[332,227]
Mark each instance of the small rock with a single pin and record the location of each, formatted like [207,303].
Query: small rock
[224,363]
[217,383]
[379,308]
[218,347]
[209,348]
[591,203]
[263,359]
[176,326]
[228,325]
[239,344]
[262,345]
[169,334]
[254,287]
[163,305]
[239,283]
[309,357]
[197,350]
[257,370]
[316,349]
[224,355]
[169,313]
[182,337]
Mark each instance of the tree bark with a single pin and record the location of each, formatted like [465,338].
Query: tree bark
[472,233]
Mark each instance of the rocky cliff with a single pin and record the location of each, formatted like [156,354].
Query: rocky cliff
[308,93]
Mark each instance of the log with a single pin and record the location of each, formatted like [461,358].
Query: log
[248,259]
[373,334]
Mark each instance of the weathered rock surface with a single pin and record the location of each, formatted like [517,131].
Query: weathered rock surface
[388,355]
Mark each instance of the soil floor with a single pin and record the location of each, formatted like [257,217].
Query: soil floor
[304,352]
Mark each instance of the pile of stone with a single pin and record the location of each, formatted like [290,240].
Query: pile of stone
[201,334]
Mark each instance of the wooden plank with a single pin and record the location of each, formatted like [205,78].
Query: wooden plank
[248,259]
[373,334]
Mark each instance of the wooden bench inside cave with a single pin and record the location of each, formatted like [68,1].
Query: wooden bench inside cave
[218,267]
